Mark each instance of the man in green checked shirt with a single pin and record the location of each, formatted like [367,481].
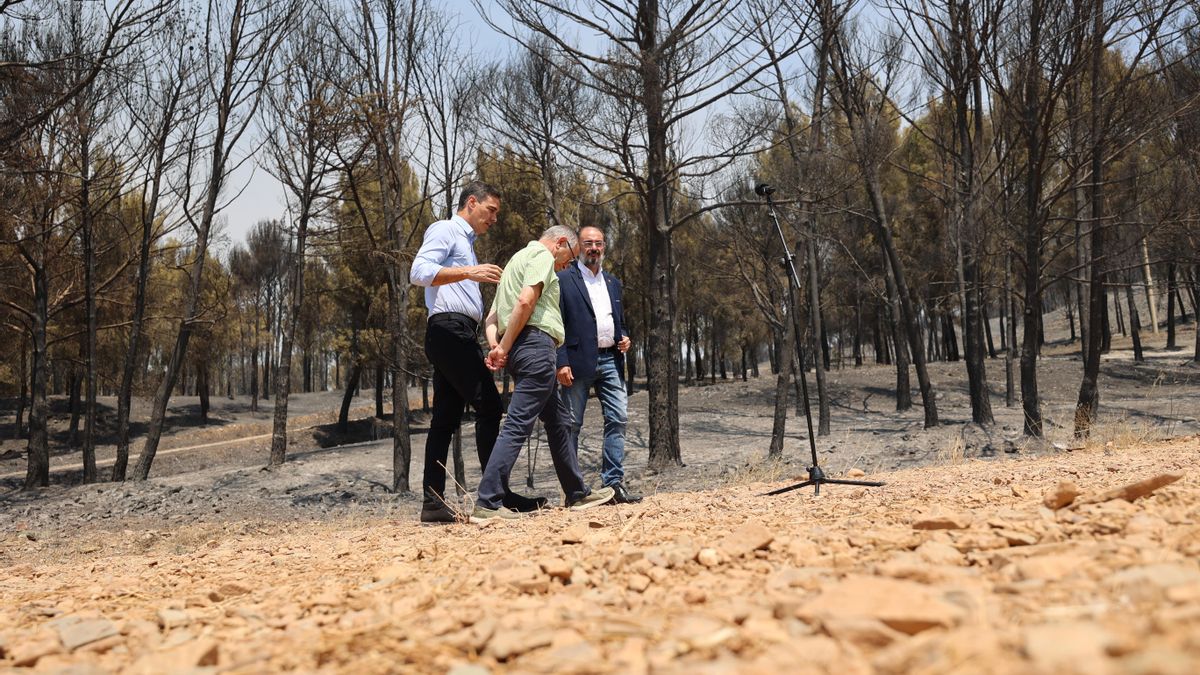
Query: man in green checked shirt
[524,330]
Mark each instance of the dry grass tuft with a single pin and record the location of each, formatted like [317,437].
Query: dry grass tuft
[952,452]
[769,470]
[1124,433]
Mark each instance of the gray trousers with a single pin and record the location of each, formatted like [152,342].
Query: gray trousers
[531,362]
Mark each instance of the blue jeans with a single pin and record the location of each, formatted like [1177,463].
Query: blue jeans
[531,362]
[610,389]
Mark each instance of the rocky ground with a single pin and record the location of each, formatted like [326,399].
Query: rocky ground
[975,557]
[1083,561]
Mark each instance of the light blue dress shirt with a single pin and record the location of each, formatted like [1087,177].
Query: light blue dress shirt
[448,243]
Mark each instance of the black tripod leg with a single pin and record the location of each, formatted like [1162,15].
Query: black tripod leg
[789,488]
[864,483]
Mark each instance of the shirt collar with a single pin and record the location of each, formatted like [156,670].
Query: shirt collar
[466,227]
[587,273]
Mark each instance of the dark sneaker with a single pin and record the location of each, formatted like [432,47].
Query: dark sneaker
[602,496]
[482,513]
[622,495]
[523,504]
[437,514]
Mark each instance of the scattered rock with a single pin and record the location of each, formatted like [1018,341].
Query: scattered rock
[638,583]
[1017,538]
[938,553]
[939,519]
[575,534]
[708,557]
[864,633]
[1061,496]
[1050,567]
[1151,582]
[1145,524]
[1136,490]
[521,575]
[855,473]
[196,653]
[556,568]
[508,643]
[173,618]
[1159,661]
[745,540]
[1078,646]
[76,631]
[233,590]
[697,631]
[971,540]
[27,652]
[905,606]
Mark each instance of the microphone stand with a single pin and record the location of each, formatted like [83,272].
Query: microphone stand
[816,477]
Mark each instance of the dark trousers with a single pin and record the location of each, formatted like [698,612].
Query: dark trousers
[531,362]
[459,378]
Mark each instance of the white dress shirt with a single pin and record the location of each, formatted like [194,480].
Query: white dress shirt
[448,243]
[601,305]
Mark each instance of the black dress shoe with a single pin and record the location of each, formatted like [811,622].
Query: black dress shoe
[624,496]
[437,513]
[523,504]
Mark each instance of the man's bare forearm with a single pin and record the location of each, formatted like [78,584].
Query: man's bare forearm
[516,323]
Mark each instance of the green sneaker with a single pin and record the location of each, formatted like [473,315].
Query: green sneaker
[480,514]
[602,496]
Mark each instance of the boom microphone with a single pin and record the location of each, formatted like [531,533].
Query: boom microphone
[763,190]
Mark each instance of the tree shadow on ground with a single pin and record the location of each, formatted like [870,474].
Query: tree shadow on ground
[178,417]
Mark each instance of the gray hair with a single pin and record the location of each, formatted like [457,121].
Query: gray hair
[556,231]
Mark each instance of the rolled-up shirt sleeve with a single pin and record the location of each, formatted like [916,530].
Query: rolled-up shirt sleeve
[435,250]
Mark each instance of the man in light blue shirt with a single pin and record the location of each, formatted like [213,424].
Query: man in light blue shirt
[448,269]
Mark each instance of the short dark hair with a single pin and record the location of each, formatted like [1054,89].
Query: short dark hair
[479,190]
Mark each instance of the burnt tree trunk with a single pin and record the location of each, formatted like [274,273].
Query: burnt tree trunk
[229,88]
[379,379]
[1010,353]
[987,325]
[858,328]
[787,338]
[1135,329]
[38,458]
[254,359]
[1171,306]
[23,397]
[1089,392]
[348,397]
[283,379]
[137,321]
[89,294]
[202,390]
[75,388]
[903,386]
[909,319]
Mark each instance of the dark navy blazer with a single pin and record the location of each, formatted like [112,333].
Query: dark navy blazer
[580,349]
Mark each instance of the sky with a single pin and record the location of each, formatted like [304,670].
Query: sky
[255,195]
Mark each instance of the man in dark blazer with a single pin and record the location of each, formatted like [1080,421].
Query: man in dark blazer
[593,354]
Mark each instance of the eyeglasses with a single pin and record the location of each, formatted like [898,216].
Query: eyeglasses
[573,255]
[592,244]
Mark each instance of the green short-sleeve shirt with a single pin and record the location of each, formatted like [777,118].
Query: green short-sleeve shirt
[531,265]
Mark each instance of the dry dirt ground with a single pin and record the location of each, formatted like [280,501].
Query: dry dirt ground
[1080,562]
[956,565]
